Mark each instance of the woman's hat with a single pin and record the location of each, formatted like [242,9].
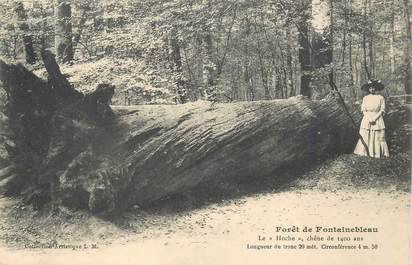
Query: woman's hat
[377,84]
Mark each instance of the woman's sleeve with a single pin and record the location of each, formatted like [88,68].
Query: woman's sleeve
[363,109]
[383,105]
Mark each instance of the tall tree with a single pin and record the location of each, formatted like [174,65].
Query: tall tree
[176,59]
[371,40]
[209,67]
[304,50]
[364,37]
[407,47]
[27,49]
[63,31]
[289,58]
[322,39]
[85,8]
[351,68]
[392,38]
[247,73]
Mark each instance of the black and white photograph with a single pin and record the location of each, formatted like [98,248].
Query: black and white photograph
[205,132]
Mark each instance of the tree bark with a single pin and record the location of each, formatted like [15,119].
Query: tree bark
[345,28]
[85,8]
[364,34]
[392,40]
[247,79]
[407,55]
[371,56]
[176,60]
[277,86]
[27,50]
[322,42]
[371,47]
[209,68]
[351,68]
[289,61]
[63,31]
[304,56]
[196,149]
[264,74]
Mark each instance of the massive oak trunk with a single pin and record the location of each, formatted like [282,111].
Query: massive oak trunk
[89,155]
[169,149]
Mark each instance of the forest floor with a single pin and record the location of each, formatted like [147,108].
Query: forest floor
[214,227]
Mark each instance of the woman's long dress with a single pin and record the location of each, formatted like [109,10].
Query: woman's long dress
[372,134]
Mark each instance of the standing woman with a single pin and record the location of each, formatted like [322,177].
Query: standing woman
[372,128]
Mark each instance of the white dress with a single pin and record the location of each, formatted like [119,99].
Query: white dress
[373,134]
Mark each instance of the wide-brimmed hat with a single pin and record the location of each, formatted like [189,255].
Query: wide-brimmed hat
[377,84]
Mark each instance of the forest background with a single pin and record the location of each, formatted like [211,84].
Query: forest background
[162,51]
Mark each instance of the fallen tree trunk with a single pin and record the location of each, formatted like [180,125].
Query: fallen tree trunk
[107,159]
[167,149]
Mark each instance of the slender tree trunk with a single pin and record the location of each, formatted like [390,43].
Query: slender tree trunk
[27,50]
[289,59]
[83,17]
[358,66]
[262,68]
[356,71]
[220,62]
[278,83]
[209,68]
[392,41]
[63,31]
[371,47]
[296,70]
[44,27]
[371,56]
[304,55]
[330,39]
[235,86]
[176,58]
[263,73]
[351,81]
[199,54]
[365,60]
[344,32]
[250,93]
[322,43]
[191,83]
[285,83]
[273,51]
[408,80]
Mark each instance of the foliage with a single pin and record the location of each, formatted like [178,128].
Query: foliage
[220,50]
[135,83]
